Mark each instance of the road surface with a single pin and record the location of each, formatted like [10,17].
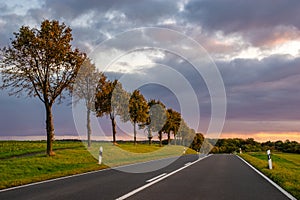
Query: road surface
[215,177]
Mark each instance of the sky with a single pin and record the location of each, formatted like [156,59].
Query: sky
[246,64]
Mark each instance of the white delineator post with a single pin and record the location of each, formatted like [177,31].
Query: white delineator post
[269,159]
[100,155]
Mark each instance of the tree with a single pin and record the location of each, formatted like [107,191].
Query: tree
[138,110]
[156,119]
[41,63]
[85,88]
[197,142]
[206,147]
[112,100]
[184,132]
[172,124]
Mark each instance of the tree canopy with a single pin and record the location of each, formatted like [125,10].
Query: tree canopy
[112,100]
[85,89]
[156,119]
[138,110]
[172,124]
[41,63]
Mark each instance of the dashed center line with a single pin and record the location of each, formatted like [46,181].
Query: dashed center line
[157,180]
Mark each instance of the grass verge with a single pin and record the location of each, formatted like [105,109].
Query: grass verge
[23,162]
[127,153]
[285,172]
[18,148]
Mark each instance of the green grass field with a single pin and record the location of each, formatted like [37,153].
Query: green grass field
[23,162]
[127,153]
[19,148]
[285,172]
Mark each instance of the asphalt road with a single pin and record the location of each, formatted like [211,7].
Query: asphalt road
[104,184]
[215,177]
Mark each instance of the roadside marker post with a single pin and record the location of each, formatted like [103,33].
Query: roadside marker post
[269,159]
[100,155]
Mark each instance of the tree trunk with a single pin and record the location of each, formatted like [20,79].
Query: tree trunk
[175,139]
[88,126]
[113,125]
[134,133]
[160,138]
[181,139]
[49,129]
[169,138]
[150,136]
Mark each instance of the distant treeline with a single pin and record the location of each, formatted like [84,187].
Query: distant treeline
[250,145]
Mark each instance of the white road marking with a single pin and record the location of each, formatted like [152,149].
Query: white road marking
[157,180]
[156,177]
[269,180]
[55,179]
[187,164]
[75,175]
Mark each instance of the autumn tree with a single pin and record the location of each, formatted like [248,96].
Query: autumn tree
[112,100]
[197,142]
[85,89]
[184,133]
[41,63]
[138,110]
[156,119]
[172,124]
[206,146]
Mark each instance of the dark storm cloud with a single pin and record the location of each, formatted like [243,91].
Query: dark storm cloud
[266,89]
[260,22]
[69,9]
[249,71]
[9,23]
[235,16]
[137,11]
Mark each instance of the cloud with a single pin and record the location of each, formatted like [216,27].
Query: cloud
[259,22]
[138,12]
[266,89]
[236,16]
[275,36]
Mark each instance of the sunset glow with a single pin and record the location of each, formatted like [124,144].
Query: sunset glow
[265,136]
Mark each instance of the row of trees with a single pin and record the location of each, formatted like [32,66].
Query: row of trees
[153,116]
[42,63]
[250,145]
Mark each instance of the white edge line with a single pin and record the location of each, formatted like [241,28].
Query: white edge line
[187,163]
[269,180]
[158,180]
[75,175]
[51,180]
[156,177]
